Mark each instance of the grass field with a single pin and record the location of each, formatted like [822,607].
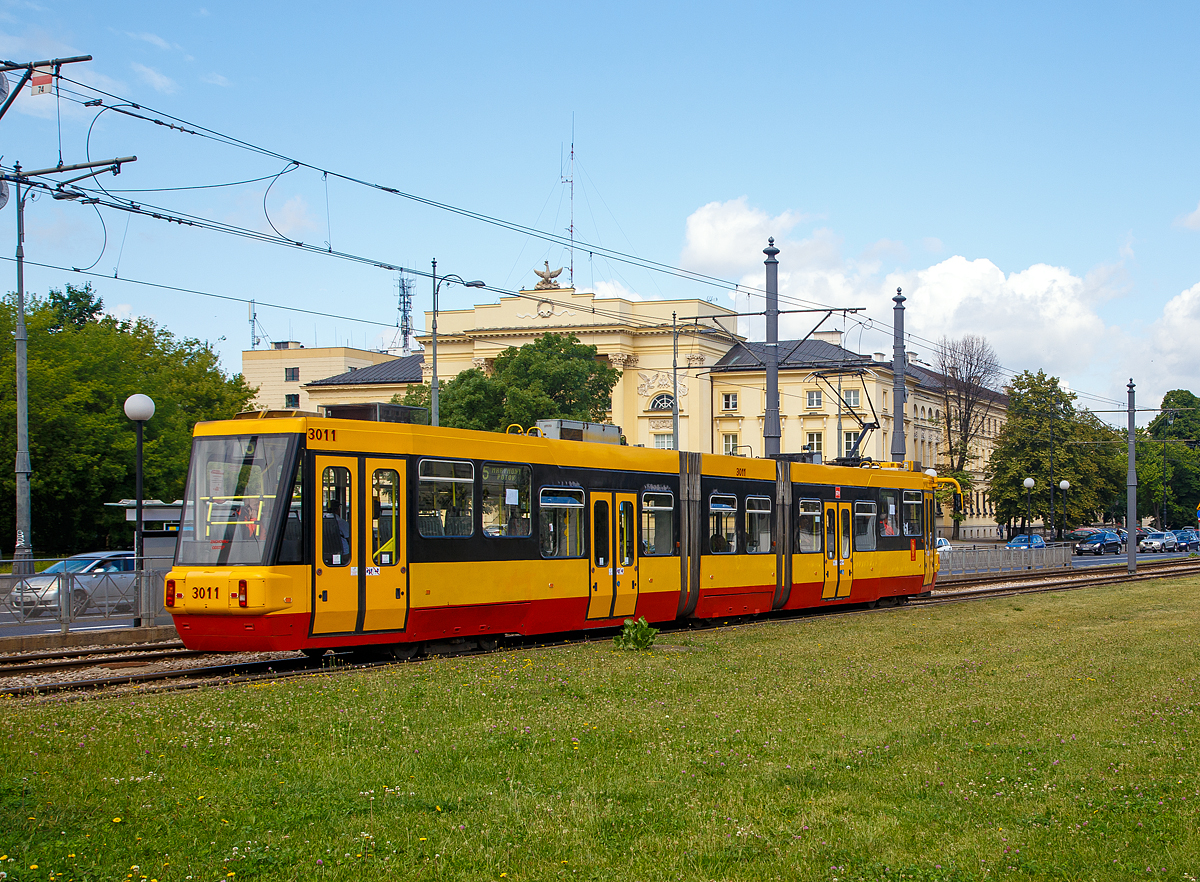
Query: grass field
[1048,737]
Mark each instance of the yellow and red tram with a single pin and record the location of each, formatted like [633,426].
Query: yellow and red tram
[307,533]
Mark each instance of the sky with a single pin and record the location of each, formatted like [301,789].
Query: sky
[1023,172]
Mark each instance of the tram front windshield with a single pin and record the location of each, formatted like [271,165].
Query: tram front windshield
[238,491]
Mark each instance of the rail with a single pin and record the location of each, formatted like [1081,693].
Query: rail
[83,593]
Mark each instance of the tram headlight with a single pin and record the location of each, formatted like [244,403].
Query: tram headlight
[169,598]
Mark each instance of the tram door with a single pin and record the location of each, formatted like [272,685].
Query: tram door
[335,601]
[839,559]
[386,563]
[930,543]
[614,564]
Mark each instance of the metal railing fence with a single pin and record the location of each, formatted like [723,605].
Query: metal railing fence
[961,562]
[102,592]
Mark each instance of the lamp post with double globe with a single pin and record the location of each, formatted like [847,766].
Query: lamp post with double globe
[1029,482]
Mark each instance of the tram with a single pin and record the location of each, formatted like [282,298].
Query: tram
[310,533]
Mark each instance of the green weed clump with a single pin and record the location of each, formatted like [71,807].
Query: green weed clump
[970,742]
[635,635]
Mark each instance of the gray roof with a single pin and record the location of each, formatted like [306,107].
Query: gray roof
[793,355]
[405,369]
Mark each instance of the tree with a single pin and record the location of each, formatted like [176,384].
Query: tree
[1169,473]
[82,367]
[554,377]
[969,374]
[1087,452]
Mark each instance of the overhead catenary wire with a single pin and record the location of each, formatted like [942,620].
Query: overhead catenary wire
[131,109]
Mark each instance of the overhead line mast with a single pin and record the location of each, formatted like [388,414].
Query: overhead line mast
[570,179]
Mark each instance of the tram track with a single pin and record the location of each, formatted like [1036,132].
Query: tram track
[288,666]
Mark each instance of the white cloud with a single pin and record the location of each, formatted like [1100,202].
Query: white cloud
[152,39]
[215,79]
[610,290]
[293,219]
[1040,317]
[1190,221]
[157,81]
[724,237]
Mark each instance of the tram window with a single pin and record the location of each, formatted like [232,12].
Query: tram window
[831,534]
[626,534]
[722,523]
[889,517]
[758,524]
[864,526]
[845,534]
[385,512]
[560,520]
[291,547]
[600,521]
[808,526]
[913,516]
[658,523]
[507,492]
[445,498]
[336,514]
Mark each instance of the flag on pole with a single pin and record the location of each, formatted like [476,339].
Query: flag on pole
[42,81]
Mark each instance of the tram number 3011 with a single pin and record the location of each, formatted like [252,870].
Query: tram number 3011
[322,434]
[209,593]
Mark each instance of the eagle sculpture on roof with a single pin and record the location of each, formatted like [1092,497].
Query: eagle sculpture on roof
[547,277]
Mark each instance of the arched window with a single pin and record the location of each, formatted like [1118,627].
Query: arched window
[662,401]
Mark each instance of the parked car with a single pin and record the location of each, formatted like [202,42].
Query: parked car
[1080,533]
[1026,541]
[1186,540]
[943,544]
[1158,542]
[1100,542]
[103,579]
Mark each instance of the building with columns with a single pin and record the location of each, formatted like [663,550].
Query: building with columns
[826,391]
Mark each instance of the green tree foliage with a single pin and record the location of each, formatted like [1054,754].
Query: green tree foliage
[1087,452]
[1178,425]
[945,494]
[82,367]
[554,377]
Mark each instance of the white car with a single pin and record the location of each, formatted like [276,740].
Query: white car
[943,544]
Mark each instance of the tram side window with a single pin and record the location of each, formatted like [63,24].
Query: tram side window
[560,521]
[913,515]
[758,524]
[722,523]
[385,512]
[336,513]
[445,498]
[864,526]
[291,547]
[626,534]
[658,523]
[889,516]
[507,493]
[808,526]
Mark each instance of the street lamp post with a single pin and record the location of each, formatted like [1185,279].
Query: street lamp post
[1063,485]
[139,408]
[437,283]
[1028,482]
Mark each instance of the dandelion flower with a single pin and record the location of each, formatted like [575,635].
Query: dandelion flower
[116,820]
[33,866]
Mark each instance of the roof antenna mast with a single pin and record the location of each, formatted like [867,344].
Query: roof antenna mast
[570,179]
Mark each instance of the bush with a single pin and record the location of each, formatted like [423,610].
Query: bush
[635,635]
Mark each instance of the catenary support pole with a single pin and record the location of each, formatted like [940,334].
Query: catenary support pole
[771,429]
[1131,522]
[433,387]
[23,551]
[674,384]
[899,396]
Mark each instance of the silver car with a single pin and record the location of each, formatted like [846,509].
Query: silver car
[104,580]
